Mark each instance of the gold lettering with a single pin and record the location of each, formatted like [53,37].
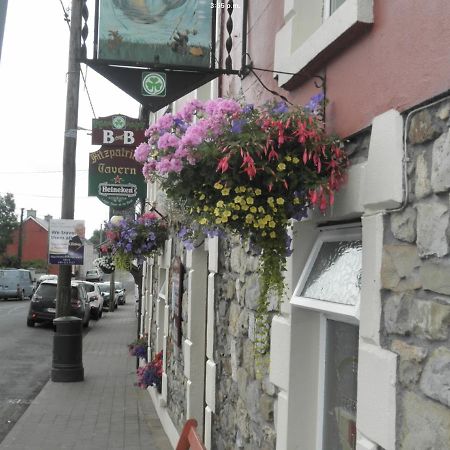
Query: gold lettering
[101,168]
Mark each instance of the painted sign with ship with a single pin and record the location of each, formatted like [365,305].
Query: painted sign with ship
[166,32]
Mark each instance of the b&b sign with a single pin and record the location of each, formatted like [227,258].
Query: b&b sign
[118,131]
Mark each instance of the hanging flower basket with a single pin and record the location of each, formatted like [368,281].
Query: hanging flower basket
[151,373]
[249,171]
[139,347]
[105,264]
[132,239]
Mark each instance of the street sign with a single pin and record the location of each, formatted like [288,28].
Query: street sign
[115,177]
[118,130]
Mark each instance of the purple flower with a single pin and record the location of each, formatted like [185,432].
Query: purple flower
[182,232]
[248,108]
[315,102]
[168,140]
[237,125]
[280,108]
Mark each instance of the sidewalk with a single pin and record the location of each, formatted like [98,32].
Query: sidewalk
[106,411]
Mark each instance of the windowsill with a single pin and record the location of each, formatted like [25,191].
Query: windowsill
[350,20]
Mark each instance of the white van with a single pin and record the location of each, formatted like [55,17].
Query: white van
[16,283]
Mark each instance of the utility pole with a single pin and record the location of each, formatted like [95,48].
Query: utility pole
[20,243]
[67,342]
[69,154]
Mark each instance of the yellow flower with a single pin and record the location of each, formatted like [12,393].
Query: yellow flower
[203,221]
[253,209]
[198,209]
[225,191]
[249,200]
[220,204]
[218,185]
[296,201]
[280,201]
[281,167]
[244,207]
[205,208]
[218,220]
[237,199]
[258,191]
[224,219]
[216,211]
[288,158]
[272,224]
[270,200]
[295,160]
[249,218]
[261,209]
[273,235]
[237,208]
[234,217]
[202,197]
[226,213]
[263,234]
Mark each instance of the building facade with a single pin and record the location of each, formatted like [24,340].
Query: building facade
[359,353]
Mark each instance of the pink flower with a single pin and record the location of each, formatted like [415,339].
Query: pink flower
[149,168]
[142,151]
[189,109]
[168,140]
[165,122]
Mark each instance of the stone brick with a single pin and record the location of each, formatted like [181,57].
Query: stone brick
[266,407]
[435,277]
[399,270]
[443,112]
[440,169]
[252,291]
[405,315]
[425,424]
[422,182]
[252,399]
[422,129]
[410,358]
[403,225]
[435,380]
[432,224]
[235,312]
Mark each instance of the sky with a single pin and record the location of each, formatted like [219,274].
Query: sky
[33,69]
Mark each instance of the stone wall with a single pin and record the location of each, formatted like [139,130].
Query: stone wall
[245,398]
[416,285]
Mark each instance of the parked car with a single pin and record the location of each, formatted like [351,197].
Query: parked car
[120,293]
[43,303]
[44,278]
[104,289]
[94,275]
[16,283]
[94,298]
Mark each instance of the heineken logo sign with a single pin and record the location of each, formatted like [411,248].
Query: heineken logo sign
[124,190]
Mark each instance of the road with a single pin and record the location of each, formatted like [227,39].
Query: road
[26,356]
[25,361]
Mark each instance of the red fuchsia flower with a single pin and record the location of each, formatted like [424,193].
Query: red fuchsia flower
[223,164]
[150,216]
[104,249]
[112,235]
[249,165]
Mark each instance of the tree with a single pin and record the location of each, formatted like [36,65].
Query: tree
[96,237]
[8,220]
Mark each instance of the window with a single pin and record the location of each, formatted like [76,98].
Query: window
[315,31]
[329,288]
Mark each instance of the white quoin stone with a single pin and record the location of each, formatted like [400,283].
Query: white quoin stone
[384,171]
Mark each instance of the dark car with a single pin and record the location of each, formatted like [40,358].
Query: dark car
[120,293]
[43,303]
[104,289]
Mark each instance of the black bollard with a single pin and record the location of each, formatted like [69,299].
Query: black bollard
[67,350]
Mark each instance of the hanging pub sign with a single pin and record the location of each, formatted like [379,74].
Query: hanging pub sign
[166,32]
[118,130]
[115,177]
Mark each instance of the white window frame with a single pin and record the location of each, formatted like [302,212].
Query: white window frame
[327,310]
[348,21]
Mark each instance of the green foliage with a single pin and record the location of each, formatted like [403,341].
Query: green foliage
[8,220]
[95,239]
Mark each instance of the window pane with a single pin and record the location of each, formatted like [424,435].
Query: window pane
[336,273]
[334,5]
[341,372]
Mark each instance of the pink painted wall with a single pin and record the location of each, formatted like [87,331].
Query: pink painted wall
[403,60]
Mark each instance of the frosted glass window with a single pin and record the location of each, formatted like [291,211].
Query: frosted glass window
[336,273]
[341,373]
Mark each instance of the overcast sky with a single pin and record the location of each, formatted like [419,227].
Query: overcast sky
[33,70]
